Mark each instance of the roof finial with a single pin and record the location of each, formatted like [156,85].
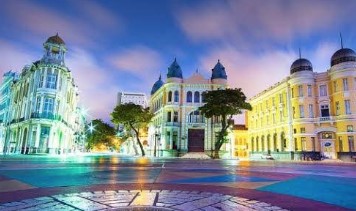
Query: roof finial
[160,76]
[218,60]
[342,45]
[300,54]
[57,34]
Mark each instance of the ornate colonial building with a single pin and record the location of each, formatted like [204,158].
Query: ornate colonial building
[307,114]
[43,116]
[177,125]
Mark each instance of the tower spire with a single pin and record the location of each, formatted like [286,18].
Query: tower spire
[300,54]
[342,45]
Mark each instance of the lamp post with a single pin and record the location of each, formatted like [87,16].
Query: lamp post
[155,145]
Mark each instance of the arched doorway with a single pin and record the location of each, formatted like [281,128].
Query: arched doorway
[24,149]
[327,144]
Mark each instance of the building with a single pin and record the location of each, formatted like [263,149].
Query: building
[307,115]
[130,97]
[240,139]
[43,116]
[5,93]
[177,126]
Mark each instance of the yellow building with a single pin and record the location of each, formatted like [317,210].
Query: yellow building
[240,138]
[307,115]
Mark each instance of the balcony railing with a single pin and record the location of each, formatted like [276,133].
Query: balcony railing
[325,118]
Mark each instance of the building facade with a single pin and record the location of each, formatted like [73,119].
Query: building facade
[177,126]
[43,116]
[130,97]
[307,115]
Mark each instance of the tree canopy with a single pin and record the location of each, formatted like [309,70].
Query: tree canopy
[102,133]
[132,116]
[223,103]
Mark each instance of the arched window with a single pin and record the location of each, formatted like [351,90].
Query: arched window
[169,96]
[252,144]
[189,97]
[258,144]
[203,97]
[176,96]
[196,97]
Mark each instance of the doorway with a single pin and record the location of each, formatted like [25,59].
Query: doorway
[196,140]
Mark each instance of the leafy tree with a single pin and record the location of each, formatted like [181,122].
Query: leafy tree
[223,103]
[133,117]
[102,133]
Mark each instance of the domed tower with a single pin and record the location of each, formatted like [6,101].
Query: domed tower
[158,84]
[343,55]
[301,64]
[174,72]
[218,75]
[55,50]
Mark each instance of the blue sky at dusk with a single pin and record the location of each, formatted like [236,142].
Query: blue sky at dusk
[123,45]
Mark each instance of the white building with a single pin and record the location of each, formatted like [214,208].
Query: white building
[43,113]
[131,97]
[177,126]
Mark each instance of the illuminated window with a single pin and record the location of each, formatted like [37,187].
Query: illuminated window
[337,107]
[302,130]
[350,128]
[293,112]
[169,96]
[280,98]
[292,92]
[326,135]
[196,97]
[176,96]
[311,111]
[304,143]
[340,144]
[351,143]
[48,105]
[175,116]
[169,116]
[51,82]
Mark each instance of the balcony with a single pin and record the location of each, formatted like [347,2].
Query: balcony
[176,124]
[50,116]
[325,118]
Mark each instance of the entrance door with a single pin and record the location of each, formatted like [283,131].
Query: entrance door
[328,149]
[196,140]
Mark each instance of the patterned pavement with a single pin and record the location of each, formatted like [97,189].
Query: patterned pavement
[139,200]
[111,182]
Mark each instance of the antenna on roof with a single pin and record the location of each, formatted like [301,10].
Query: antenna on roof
[300,54]
[342,45]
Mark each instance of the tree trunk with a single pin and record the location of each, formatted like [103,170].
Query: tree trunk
[221,136]
[138,141]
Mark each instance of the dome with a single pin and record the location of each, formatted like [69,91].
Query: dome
[174,71]
[218,71]
[301,65]
[157,85]
[55,40]
[343,55]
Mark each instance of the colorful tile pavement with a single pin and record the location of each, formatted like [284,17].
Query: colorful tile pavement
[114,182]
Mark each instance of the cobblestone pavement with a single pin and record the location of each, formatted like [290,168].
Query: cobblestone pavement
[139,200]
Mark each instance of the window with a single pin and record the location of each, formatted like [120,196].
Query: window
[196,97]
[300,90]
[313,143]
[280,98]
[347,107]
[304,143]
[38,104]
[301,111]
[189,97]
[176,96]
[51,81]
[175,116]
[345,84]
[41,81]
[322,91]
[302,130]
[292,92]
[196,117]
[350,128]
[311,111]
[326,135]
[48,105]
[169,116]
[293,112]
[337,107]
[274,118]
[351,143]
[309,90]
[169,96]
[324,110]
[340,144]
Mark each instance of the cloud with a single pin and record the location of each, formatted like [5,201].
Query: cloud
[140,61]
[83,29]
[13,57]
[96,85]
[251,72]
[254,22]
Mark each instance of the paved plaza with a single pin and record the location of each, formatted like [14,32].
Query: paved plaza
[113,182]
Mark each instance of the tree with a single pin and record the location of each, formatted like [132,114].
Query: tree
[101,133]
[132,116]
[223,103]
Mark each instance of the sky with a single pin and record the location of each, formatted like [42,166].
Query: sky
[124,45]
